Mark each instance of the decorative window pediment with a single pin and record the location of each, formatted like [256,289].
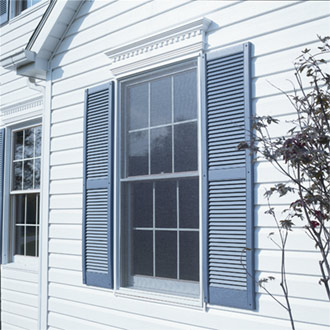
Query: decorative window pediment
[24,110]
[180,42]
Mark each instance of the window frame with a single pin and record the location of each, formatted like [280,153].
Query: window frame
[9,258]
[166,297]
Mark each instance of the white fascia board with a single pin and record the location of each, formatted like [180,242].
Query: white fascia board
[58,14]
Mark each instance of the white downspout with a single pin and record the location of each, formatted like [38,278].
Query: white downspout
[44,200]
[31,83]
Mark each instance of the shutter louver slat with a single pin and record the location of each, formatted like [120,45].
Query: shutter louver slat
[2,160]
[97,233]
[229,179]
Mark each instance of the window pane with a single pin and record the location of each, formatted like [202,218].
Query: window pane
[185,147]
[19,240]
[29,143]
[138,153]
[37,132]
[166,254]
[138,106]
[17,180]
[142,252]
[185,96]
[31,241]
[189,256]
[165,208]
[31,208]
[189,203]
[142,201]
[18,145]
[161,150]
[161,101]
[36,173]
[28,174]
[19,208]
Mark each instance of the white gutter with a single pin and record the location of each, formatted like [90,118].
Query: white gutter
[22,57]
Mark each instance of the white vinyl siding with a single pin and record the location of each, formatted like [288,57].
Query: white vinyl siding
[19,286]
[278,31]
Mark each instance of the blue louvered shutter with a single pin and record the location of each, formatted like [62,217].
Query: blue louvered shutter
[2,160]
[4,11]
[229,184]
[98,187]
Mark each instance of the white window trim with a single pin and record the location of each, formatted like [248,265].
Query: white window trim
[171,46]
[10,260]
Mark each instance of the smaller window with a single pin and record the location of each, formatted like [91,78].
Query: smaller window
[21,5]
[25,190]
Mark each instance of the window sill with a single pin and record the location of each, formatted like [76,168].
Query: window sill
[161,298]
[24,263]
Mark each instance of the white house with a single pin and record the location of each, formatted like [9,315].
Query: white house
[125,203]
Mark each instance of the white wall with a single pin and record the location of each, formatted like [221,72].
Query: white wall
[278,31]
[19,285]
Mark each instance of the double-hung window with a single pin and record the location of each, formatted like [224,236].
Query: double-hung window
[25,190]
[160,180]
[164,183]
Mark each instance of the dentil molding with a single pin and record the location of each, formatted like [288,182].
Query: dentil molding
[21,111]
[177,43]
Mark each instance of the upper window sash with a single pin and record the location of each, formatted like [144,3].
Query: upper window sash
[26,159]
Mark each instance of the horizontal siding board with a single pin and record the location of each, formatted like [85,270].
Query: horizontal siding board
[19,275]
[300,286]
[66,128]
[18,95]
[296,262]
[70,171]
[20,321]
[60,321]
[261,188]
[297,239]
[18,309]
[65,231]
[112,317]
[8,326]
[67,142]
[66,157]
[66,187]
[65,245]
[69,113]
[231,319]
[20,286]
[68,262]
[65,216]
[273,21]
[73,201]
[23,298]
